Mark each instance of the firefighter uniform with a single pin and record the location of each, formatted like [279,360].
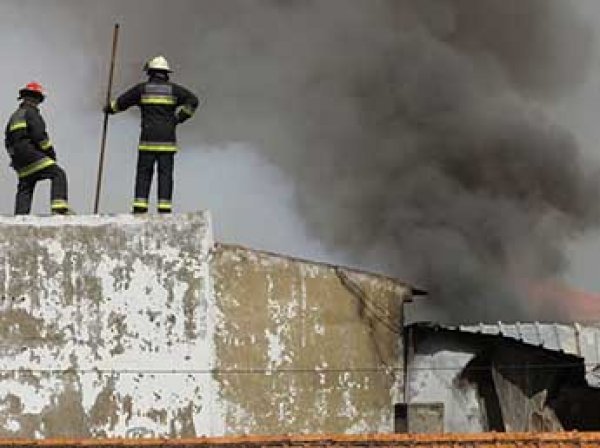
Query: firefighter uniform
[32,153]
[163,105]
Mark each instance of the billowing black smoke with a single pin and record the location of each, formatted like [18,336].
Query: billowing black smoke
[414,130]
[416,135]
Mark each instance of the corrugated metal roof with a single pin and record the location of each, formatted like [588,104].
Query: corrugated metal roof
[573,339]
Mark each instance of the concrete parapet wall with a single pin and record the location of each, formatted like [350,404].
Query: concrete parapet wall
[100,318]
[142,327]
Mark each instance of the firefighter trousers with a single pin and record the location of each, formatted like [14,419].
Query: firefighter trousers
[143,180]
[58,190]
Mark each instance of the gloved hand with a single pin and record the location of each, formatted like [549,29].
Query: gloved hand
[180,118]
[107,109]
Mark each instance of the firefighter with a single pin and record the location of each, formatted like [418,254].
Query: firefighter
[32,153]
[164,105]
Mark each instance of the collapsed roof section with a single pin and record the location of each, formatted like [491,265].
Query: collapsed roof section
[574,339]
[500,377]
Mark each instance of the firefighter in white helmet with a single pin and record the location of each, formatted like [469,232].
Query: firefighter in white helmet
[164,105]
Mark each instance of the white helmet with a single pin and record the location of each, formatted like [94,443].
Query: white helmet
[158,63]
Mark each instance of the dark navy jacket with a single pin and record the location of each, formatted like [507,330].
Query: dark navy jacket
[164,105]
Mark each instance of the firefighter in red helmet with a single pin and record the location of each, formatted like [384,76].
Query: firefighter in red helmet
[32,153]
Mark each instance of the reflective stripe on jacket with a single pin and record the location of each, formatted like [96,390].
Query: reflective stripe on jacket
[27,141]
[163,105]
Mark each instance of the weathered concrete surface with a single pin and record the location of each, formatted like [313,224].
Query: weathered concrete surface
[137,327]
[100,320]
[309,347]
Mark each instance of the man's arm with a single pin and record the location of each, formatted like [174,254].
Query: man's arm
[187,101]
[125,101]
[36,128]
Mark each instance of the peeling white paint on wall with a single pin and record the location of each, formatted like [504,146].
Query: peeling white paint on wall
[145,340]
[317,343]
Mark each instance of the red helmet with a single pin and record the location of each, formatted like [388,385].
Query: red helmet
[32,89]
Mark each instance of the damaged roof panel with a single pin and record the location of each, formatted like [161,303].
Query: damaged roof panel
[573,339]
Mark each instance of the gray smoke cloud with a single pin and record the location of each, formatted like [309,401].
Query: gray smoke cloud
[413,130]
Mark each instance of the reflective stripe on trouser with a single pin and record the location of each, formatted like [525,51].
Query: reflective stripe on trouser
[164,206]
[59,204]
[35,167]
[140,203]
[158,146]
[58,190]
[145,171]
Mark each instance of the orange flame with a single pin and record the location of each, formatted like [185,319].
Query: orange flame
[579,305]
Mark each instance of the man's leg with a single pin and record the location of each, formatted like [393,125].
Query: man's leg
[58,190]
[143,179]
[165,182]
[25,195]
[59,203]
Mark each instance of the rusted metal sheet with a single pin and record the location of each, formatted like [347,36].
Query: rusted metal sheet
[483,440]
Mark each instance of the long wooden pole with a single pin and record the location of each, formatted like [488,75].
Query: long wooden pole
[105,124]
